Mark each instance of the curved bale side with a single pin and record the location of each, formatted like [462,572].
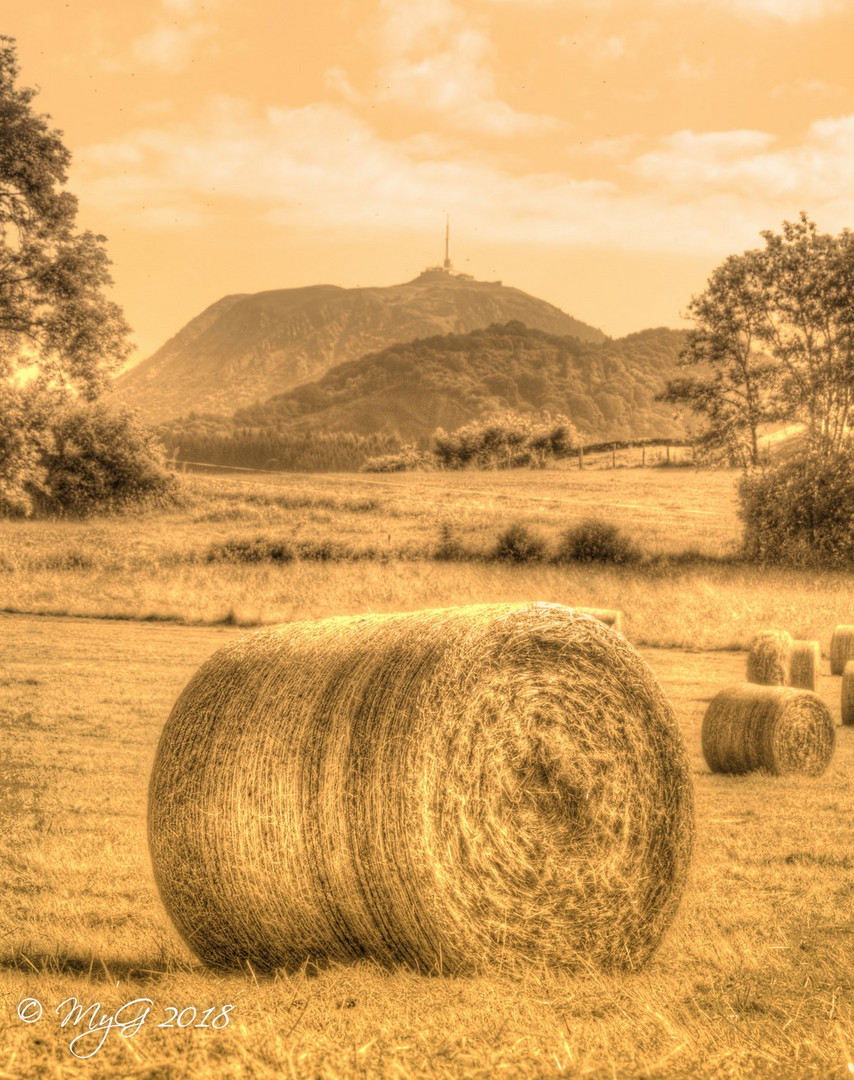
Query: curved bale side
[447,790]
[805,665]
[608,616]
[777,728]
[841,648]
[769,658]
[848,693]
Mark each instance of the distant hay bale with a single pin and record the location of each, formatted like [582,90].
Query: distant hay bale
[610,617]
[841,648]
[777,728]
[848,693]
[769,658]
[805,665]
[447,790]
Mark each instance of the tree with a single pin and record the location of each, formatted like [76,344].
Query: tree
[60,335]
[53,311]
[774,341]
[733,393]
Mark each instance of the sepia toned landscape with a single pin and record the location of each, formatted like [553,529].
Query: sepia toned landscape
[113,616]
[427,540]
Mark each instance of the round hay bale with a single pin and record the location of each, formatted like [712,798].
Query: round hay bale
[848,693]
[777,728]
[447,790]
[610,617]
[841,648]
[805,665]
[769,658]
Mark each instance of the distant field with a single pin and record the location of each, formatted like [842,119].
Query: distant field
[754,980]
[368,543]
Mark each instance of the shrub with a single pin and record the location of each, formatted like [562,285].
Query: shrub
[450,547]
[519,544]
[408,459]
[801,512]
[598,541]
[99,461]
[258,549]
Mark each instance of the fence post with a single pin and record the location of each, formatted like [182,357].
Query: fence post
[581,457]
[643,456]
[668,453]
[613,455]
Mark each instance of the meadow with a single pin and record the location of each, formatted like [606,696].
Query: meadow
[754,979]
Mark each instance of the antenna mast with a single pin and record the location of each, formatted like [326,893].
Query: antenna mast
[447,263]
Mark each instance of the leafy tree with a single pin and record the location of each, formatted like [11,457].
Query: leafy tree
[774,340]
[727,343]
[53,311]
[60,335]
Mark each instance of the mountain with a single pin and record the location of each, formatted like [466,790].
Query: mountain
[248,347]
[606,388]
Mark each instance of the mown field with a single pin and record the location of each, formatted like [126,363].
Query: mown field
[756,977]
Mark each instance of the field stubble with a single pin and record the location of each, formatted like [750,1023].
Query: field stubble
[753,980]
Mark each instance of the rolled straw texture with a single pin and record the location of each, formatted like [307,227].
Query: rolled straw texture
[777,728]
[841,648]
[447,790]
[610,617]
[805,665]
[848,693]
[769,659]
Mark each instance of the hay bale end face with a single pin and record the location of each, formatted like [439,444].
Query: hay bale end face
[841,648]
[805,665]
[446,790]
[848,693]
[769,659]
[777,728]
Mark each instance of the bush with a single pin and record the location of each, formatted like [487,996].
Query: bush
[259,549]
[519,544]
[801,512]
[597,541]
[98,461]
[450,548]
[408,459]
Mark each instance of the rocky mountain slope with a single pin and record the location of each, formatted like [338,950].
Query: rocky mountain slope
[247,348]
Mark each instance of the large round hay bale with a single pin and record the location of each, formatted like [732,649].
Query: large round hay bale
[777,728]
[805,665]
[841,648]
[769,658]
[848,693]
[446,790]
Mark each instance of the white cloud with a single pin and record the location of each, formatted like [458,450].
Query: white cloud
[436,58]
[319,167]
[180,28]
[171,47]
[749,164]
[789,11]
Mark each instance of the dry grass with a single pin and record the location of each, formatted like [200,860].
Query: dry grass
[157,567]
[753,980]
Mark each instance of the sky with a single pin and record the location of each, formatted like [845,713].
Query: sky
[604,155]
